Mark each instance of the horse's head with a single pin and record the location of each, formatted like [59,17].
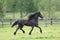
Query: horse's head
[40,15]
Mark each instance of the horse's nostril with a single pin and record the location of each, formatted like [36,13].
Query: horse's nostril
[42,18]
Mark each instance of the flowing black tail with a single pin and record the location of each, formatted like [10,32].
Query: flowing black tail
[15,23]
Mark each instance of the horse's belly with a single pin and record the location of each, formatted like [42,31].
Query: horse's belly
[28,24]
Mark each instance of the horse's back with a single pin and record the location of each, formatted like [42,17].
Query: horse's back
[23,21]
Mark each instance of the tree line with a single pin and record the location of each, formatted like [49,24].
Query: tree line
[28,6]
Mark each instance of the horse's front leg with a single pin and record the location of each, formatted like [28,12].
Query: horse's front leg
[31,30]
[39,28]
[16,30]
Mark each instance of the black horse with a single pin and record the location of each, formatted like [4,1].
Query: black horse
[31,21]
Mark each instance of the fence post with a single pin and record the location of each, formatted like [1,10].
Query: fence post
[2,22]
[10,21]
[51,21]
[46,21]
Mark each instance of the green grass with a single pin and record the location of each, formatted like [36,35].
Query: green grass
[45,14]
[52,32]
[11,15]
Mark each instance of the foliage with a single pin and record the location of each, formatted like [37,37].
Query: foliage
[27,6]
[1,10]
[30,6]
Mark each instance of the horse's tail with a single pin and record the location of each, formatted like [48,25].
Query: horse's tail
[15,23]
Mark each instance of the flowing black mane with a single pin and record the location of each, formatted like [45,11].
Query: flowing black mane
[32,16]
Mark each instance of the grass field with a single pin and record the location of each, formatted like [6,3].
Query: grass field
[52,32]
[44,13]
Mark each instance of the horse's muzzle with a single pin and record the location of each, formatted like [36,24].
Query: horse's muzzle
[42,18]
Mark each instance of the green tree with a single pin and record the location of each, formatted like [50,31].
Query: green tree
[26,6]
[1,10]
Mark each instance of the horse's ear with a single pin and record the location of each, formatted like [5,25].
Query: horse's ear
[39,12]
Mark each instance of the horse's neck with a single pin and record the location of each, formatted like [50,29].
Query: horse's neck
[31,17]
[36,17]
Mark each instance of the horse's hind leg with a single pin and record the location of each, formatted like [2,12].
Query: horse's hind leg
[21,26]
[16,30]
[39,28]
[31,30]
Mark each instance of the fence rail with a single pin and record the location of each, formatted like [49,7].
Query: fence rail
[10,21]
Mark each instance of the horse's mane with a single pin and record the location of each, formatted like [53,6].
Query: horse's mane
[31,16]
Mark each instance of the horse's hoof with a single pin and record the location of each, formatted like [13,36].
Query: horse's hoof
[29,33]
[41,31]
[14,33]
[23,31]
